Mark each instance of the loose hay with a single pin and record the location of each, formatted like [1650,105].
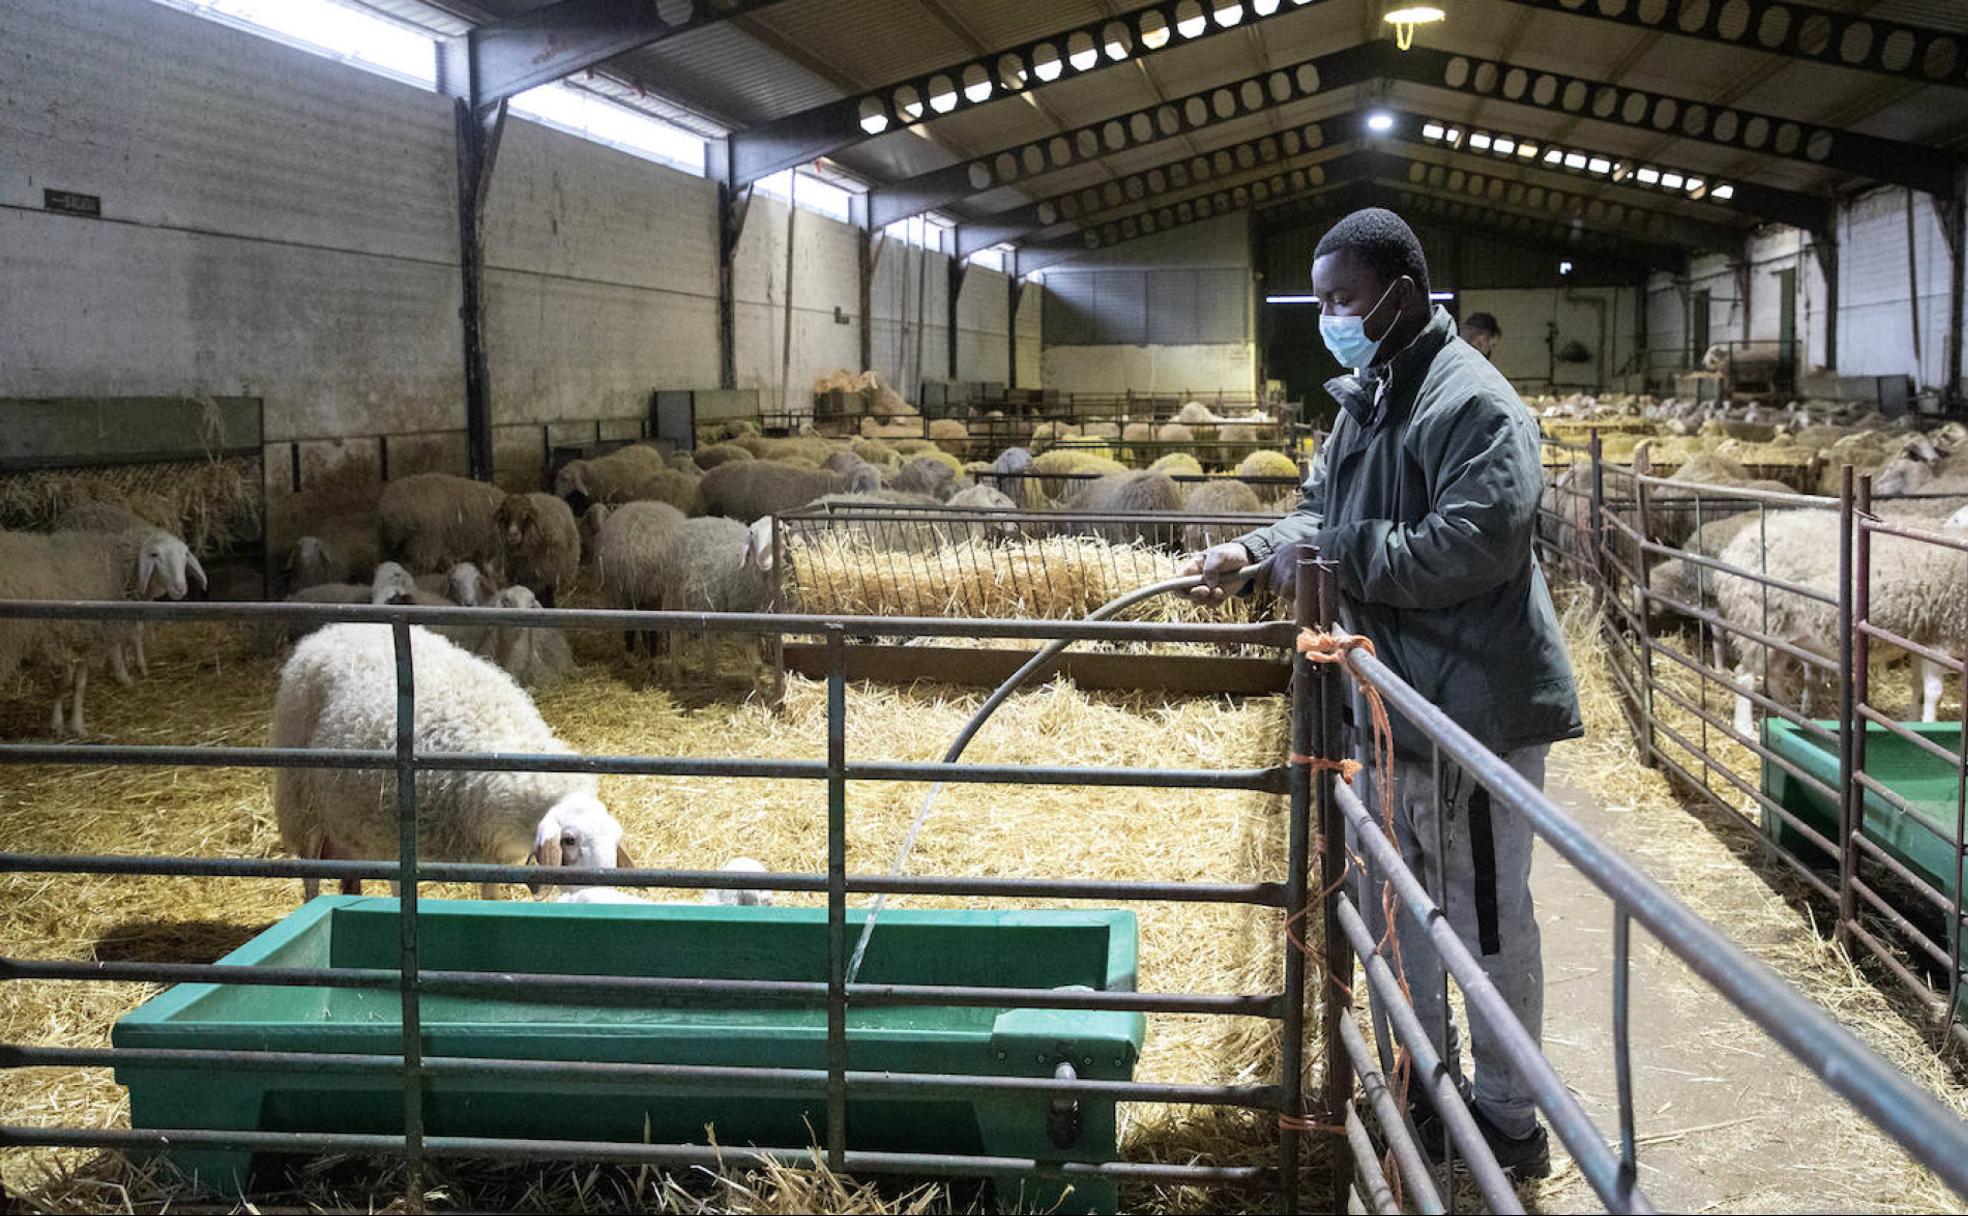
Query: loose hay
[685,822]
[1057,578]
[212,504]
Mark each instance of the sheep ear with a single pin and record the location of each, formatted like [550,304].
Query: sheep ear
[622,859]
[548,855]
[196,571]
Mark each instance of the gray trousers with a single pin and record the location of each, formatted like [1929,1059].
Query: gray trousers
[1481,865]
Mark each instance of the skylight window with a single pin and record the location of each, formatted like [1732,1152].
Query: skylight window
[1673,181]
[1723,192]
[335,31]
[1599,165]
[579,112]
[1479,141]
[1575,160]
[1431,130]
[1649,177]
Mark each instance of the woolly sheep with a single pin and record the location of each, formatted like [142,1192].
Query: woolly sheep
[610,478]
[1178,464]
[1918,591]
[432,521]
[1174,432]
[678,489]
[1267,464]
[1140,490]
[338,690]
[927,475]
[717,564]
[536,657]
[70,566]
[987,498]
[543,543]
[339,549]
[764,488]
[874,451]
[630,548]
[166,567]
[1218,497]
[1195,413]
[717,454]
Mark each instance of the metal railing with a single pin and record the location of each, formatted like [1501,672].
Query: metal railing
[1285,1007]
[1913,1118]
[1649,550]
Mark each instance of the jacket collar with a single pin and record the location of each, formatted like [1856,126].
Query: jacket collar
[1402,375]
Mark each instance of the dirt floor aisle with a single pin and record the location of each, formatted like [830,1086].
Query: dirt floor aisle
[1727,1121]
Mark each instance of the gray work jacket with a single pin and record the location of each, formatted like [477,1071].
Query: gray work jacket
[1425,497]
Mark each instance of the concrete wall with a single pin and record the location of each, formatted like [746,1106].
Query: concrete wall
[1893,282]
[911,322]
[1030,336]
[983,333]
[282,226]
[1605,320]
[1228,367]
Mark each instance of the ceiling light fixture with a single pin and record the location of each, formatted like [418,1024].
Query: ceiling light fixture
[1405,17]
[1380,121]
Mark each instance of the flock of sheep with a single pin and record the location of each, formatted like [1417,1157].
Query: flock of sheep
[690,532]
[1707,510]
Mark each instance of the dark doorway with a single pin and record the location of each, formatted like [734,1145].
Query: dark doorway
[1295,354]
[1698,329]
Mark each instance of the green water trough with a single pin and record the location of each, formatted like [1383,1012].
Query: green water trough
[1021,949]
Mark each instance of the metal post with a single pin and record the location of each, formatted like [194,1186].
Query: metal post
[865,251]
[1854,650]
[1596,564]
[406,849]
[1629,1171]
[1647,748]
[1324,689]
[478,132]
[836,639]
[1291,1079]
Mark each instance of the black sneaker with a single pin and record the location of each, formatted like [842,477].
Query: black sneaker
[1522,1158]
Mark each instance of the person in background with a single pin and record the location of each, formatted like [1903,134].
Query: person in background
[1481,331]
[1424,498]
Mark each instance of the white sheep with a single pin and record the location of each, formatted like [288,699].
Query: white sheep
[80,566]
[628,548]
[715,564]
[536,657]
[715,896]
[1918,590]
[166,566]
[338,690]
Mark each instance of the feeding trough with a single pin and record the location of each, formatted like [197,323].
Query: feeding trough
[1020,949]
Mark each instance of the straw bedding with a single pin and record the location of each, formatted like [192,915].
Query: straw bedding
[212,504]
[975,830]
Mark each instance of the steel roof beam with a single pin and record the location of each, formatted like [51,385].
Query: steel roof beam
[1769,203]
[1912,53]
[1199,111]
[1506,227]
[1887,160]
[1149,30]
[1170,177]
[503,58]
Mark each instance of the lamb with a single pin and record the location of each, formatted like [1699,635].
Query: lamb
[463,586]
[433,521]
[340,549]
[610,479]
[1140,490]
[543,543]
[717,564]
[629,549]
[755,490]
[338,690]
[535,657]
[1218,497]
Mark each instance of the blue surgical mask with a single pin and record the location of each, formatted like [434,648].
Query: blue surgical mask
[1346,337]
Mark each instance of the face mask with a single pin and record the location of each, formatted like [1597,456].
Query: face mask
[1346,337]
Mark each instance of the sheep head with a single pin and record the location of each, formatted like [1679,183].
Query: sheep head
[467,585]
[392,584]
[577,832]
[163,563]
[758,546]
[572,479]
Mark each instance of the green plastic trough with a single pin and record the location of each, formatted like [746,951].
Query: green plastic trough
[1927,783]
[1023,949]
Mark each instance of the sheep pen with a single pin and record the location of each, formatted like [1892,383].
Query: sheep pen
[977,830]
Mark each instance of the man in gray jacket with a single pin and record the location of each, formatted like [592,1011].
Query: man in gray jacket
[1424,497]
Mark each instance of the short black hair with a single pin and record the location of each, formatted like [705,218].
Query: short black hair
[1484,323]
[1381,240]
